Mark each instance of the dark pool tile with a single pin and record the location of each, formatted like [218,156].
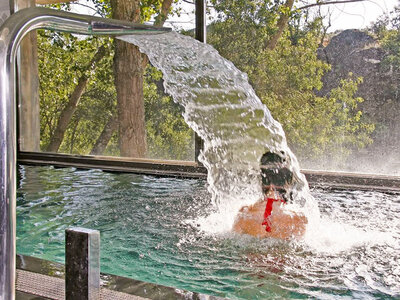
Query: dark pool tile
[41,266]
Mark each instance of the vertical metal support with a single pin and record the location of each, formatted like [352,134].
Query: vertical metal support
[201,35]
[82,264]
[7,174]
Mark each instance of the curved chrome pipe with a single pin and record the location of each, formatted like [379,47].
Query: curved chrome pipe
[11,33]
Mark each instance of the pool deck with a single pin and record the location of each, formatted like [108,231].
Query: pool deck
[39,279]
[32,285]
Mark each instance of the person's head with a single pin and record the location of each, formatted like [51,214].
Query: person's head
[274,171]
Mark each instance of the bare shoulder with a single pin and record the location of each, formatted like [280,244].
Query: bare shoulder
[253,209]
[283,225]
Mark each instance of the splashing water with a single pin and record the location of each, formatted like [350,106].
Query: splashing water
[237,129]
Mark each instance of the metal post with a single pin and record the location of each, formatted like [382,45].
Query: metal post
[201,32]
[201,35]
[82,264]
[11,33]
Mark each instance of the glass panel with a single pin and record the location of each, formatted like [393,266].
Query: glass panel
[334,90]
[78,103]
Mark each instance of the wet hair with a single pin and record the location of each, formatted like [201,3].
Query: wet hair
[273,170]
[271,157]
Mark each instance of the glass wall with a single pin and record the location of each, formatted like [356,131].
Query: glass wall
[79,106]
[85,110]
[329,74]
[334,89]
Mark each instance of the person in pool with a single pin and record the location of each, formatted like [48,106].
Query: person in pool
[268,217]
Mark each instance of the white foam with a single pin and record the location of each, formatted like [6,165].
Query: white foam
[222,220]
[329,236]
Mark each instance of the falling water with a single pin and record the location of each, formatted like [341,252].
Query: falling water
[222,108]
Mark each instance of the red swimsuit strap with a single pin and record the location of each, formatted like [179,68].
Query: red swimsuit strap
[268,211]
[268,207]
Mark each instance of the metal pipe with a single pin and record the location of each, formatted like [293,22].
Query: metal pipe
[11,33]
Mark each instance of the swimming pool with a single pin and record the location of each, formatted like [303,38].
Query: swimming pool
[149,232]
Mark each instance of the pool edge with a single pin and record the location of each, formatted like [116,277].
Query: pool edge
[113,283]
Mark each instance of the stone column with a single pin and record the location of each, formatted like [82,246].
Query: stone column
[82,264]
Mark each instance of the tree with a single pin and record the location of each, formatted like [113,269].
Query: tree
[64,61]
[74,98]
[129,66]
[277,13]
[67,84]
[387,31]
[168,135]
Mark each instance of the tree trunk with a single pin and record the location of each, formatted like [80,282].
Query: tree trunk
[73,136]
[129,66]
[112,123]
[105,136]
[128,72]
[67,113]
[282,23]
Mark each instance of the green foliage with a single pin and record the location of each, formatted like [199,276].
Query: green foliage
[250,12]
[242,30]
[391,43]
[103,8]
[389,33]
[317,126]
[287,78]
[148,8]
[387,29]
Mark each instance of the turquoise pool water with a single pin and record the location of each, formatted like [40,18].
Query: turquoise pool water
[148,233]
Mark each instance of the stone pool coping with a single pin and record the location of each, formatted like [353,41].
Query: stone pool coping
[31,270]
